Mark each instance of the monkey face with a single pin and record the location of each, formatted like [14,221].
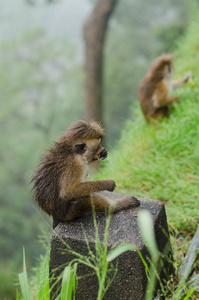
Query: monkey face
[91,150]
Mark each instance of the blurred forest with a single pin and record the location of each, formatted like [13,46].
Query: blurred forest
[42,87]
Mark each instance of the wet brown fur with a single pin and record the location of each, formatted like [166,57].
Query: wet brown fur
[57,181]
[154,84]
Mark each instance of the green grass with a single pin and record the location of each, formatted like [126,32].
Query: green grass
[161,160]
[38,287]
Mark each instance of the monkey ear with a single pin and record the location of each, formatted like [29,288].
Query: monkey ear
[80,148]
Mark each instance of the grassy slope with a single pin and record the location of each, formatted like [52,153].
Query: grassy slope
[161,161]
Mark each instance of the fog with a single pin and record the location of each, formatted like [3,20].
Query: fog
[61,18]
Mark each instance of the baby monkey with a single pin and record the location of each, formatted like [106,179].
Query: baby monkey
[155,90]
[60,181]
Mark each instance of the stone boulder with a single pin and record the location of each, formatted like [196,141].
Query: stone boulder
[131,280]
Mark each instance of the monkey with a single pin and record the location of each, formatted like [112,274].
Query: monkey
[60,181]
[155,90]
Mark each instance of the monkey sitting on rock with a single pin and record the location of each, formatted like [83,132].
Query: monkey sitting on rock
[60,181]
[155,90]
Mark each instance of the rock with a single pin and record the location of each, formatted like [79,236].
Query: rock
[130,281]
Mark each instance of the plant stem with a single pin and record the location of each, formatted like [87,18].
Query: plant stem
[102,281]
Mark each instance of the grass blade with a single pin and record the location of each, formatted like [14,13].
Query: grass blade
[114,253]
[68,282]
[23,280]
[17,294]
[147,232]
[43,280]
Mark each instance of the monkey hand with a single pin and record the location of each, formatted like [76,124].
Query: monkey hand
[110,185]
[103,154]
[175,98]
[189,75]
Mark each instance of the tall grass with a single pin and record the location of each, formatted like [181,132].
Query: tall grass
[41,289]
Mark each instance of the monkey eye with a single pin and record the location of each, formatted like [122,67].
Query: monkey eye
[80,148]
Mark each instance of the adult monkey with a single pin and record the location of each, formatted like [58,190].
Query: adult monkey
[60,181]
[155,90]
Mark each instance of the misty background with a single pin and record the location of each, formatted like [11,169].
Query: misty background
[42,92]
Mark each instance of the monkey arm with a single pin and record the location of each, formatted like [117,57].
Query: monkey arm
[168,101]
[161,96]
[172,99]
[86,188]
[179,82]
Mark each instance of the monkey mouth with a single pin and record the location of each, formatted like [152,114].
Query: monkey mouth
[95,158]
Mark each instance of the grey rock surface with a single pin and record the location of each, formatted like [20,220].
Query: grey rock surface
[130,281]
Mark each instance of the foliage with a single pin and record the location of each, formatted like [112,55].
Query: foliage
[148,235]
[160,160]
[41,290]
[169,34]
[23,280]
[40,85]
[188,52]
[139,31]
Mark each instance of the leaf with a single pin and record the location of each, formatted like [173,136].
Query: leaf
[147,232]
[17,294]
[68,282]
[43,280]
[188,294]
[65,283]
[114,253]
[23,280]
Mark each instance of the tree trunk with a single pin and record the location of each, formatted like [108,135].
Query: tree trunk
[94,36]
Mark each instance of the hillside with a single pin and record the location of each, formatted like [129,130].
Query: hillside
[161,161]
